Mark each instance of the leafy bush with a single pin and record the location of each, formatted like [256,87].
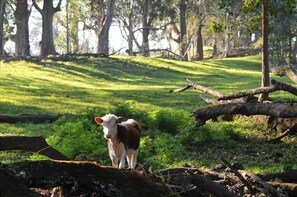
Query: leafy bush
[76,135]
[79,134]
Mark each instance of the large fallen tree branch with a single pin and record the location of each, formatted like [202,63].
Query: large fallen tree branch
[275,87]
[283,110]
[198,87]
[32,144]
[285,70]
[41,118]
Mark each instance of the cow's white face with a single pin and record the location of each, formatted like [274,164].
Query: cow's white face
[109,124]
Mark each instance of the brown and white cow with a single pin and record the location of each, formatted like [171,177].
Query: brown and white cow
[123,138]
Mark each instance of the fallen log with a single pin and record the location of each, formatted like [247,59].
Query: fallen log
[41,118]
[276,86]
[88,179]
[285,70]
[289,176]
[290,188]
[10,186]
[31,144]
[198,87]
[283,110]
[261,185]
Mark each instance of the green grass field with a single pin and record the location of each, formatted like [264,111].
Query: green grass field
[87,86]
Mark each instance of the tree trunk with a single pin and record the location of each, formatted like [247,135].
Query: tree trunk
[265,50]
[87,178]
[145,31]
[103,31]
[22,47]
[1,28]
[31,144]
[199,41]
[47,40]
[183,29]
[283,110]
[227,37]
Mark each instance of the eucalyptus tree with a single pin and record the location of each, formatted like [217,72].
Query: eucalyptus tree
[152,14]
[100,17]
[129,20]
[47,38]
[69,20]
[22,46]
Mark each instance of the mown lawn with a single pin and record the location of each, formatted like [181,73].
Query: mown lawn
[144,84]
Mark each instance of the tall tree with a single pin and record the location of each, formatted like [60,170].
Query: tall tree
[22,47]
[183,28]
[265,49]
[102,11]
[1,28]
[129,22]
[151,11]
[47,13]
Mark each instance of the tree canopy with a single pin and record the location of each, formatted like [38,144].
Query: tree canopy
[186,27]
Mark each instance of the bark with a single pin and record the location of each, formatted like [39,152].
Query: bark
[145,31]
[282,110]
[88,178]
[47,13]
[31,144]
[22,47]
[2,5]
[199,41]
[183,29]
[29,118]
[104,26]
[265,50]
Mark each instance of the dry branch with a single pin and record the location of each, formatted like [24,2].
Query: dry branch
[241,178]
[199,87]
[283,110]
[289,131]
[32,144]
[42,118]
[264,90]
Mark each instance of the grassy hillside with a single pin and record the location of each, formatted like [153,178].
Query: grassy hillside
[139,87]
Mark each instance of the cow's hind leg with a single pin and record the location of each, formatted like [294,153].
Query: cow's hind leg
[134,159]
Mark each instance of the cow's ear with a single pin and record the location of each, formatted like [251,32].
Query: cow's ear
[120,119]
[98,120]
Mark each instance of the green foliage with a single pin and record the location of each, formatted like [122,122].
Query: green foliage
[216,27]
[76,135]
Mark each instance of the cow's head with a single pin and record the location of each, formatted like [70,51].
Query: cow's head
[109,123]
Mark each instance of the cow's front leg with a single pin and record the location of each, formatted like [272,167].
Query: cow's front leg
[122,160]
